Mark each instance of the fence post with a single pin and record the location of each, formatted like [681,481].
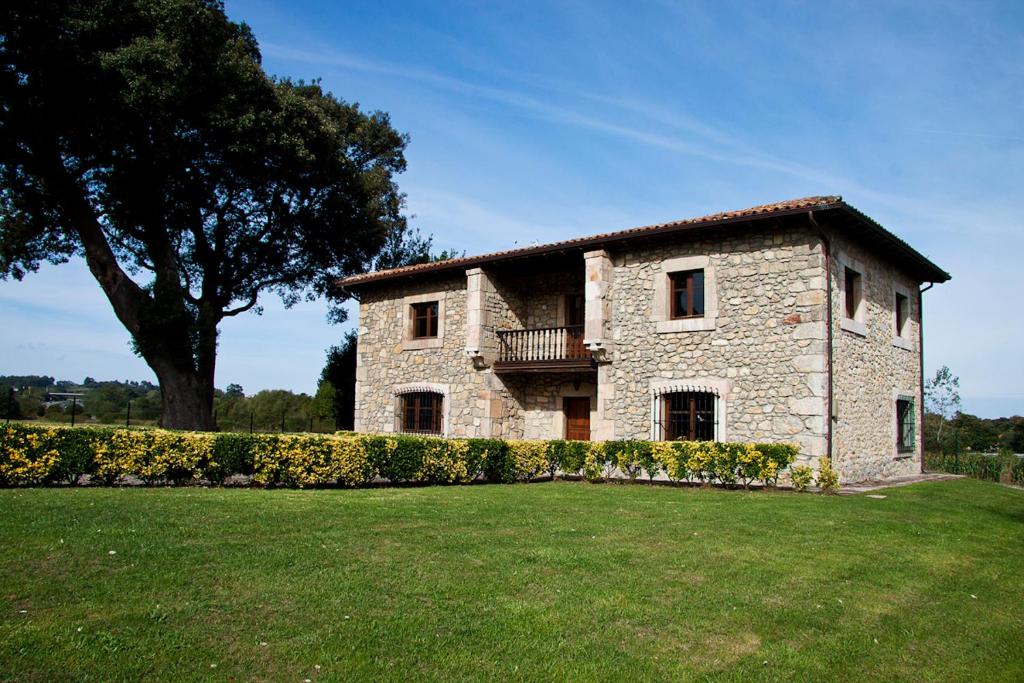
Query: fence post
[128,416]
[311,423]
[10,403]
[74,404]
[282,423]
[251,413]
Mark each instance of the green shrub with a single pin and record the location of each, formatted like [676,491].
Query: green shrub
[232,454]
[801,476]
[75,447]
[567,456]
[1004,467]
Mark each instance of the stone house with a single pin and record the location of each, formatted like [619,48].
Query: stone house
[798,321]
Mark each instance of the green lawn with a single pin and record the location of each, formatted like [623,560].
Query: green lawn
[539,581]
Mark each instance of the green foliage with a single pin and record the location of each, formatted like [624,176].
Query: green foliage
[194,181]
[340,374]
[828,478]
[632,457]
[567,457]
[801,476]
[42,454]
[1005,466]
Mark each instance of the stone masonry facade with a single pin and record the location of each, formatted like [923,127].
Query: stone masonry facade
[761,346]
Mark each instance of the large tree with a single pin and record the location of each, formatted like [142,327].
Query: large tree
[144,136]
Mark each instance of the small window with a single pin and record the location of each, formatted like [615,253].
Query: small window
[852,287]
[687,294]
[421,413]
[424,320]
[902,313]
[688,416]
[905,439]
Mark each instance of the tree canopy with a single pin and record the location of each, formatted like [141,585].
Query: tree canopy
[145,136]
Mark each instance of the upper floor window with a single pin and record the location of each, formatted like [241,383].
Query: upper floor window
[902,314]
[688,416]
[686,294]
[422,412]
[424,320]
[905,440]
[853,289]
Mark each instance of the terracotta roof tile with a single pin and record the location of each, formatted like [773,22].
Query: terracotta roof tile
[788,206]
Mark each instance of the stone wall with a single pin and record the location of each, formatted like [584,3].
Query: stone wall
[871,368]
[766,349]
[762,347]
[477,403]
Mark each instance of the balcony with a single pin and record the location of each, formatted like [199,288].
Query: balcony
[543,349]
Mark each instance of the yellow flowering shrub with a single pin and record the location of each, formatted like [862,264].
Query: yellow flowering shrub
[41,454]
[177,457]
[353,462]
[25,457]
[672,459]
[122,454]
[801,477]
[828,478]
[593,463]
[528,458]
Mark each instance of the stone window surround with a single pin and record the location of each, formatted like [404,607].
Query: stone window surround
[399,390]
[586,390]
[904,340]
[660,314]
[915,411]
[411,343]
[721,387]
[856,324]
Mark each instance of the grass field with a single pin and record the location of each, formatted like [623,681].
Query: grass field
[539,581]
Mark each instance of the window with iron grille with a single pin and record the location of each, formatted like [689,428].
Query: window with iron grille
[422,413]
[905,437]
[687,416]
[687,294]
[424,320]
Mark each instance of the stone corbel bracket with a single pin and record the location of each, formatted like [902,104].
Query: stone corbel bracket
[476,357]
[600,349]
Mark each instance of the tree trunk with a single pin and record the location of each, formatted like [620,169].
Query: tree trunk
[186,395]
[183,400]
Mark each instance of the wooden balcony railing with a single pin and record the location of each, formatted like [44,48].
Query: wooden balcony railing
[542,348]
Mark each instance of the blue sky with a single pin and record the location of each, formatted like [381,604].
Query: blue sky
[536,122]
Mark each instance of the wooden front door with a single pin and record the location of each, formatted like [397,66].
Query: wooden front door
[577,417]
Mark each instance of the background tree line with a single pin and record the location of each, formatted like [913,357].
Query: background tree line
[947,429]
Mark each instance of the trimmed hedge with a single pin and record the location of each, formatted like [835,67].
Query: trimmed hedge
[1006,467]
[33,455]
